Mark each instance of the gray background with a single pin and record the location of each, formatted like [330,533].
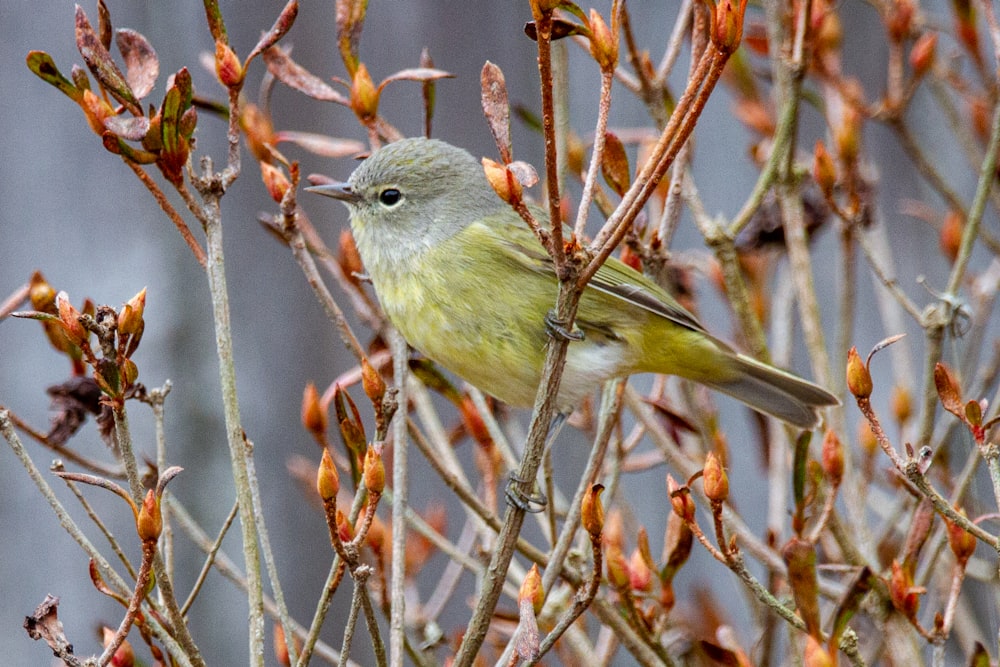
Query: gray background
[75,212]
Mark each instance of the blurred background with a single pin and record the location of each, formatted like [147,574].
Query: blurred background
[75,212]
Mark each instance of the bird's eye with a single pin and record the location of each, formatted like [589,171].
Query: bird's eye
[390,197]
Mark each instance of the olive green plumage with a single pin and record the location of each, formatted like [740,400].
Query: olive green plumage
[468,284]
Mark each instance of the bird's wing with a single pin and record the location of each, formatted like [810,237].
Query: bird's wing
[613,278]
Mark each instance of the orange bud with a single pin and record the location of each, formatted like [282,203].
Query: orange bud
[372,382]
[314,415]
[149,523]
[327,478]
[228,67]
[824,171]
[847,137]
[96,110]
[680,500]
[922,54]
[728,28]
[901,404]
[364,95]
[714,479]
[618,571]
[275,181]
[130,318]
[374,470]
[377,536]
[70,318]
[859,380]
[503,182]
[866,438]
[603,42]
[815,655]
[833,457]
[950,239]
[531,589]
[124,656]
[592,511]
[280,647]
[962,542]
[640,576]
[902,592]
[345,531]
[899,20]
[41,293]
[259,132]
[349,258]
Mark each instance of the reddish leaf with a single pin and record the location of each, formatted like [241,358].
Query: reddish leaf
[614,164]
[280,28]
[297,77]
[320,144]
[104,28]
[496,108]
[948,390]
[101,65]
[141,63]
[561,28]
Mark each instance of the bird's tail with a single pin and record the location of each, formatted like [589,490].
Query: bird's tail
[775,392]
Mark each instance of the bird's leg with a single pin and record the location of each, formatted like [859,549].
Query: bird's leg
[523,499]
[556,328]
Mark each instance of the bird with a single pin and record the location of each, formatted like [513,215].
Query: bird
[469,285]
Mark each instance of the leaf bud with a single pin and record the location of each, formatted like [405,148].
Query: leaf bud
[592,511]
[714,479]
[327,478]
[833,457]
[149,522]
[962,542]
[859,380]
[374,470]
[228,67]
[531,589]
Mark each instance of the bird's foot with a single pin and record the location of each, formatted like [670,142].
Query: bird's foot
[556,328]
[521,499]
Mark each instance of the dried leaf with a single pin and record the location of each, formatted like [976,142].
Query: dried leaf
[321,144]
[496,108]
[104,28]
[881,345]
[280,28]
[948,390]
[561,28]
[133,128]
[72,402]
[528,637]
[614,164]
[800,557]
[293,75]
[524,172]
[849,603]
[416,74]
[44,624]
[101,65]
[142,66]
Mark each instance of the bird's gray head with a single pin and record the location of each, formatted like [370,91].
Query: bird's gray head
[417,191]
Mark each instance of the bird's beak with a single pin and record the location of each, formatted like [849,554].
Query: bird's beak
[341,191]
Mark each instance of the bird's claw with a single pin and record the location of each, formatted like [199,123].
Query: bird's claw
[556,328]
[526,502]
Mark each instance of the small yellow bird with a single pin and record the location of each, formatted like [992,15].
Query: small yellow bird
[466,282]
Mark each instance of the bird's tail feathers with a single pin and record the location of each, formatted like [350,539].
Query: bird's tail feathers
[775,392]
